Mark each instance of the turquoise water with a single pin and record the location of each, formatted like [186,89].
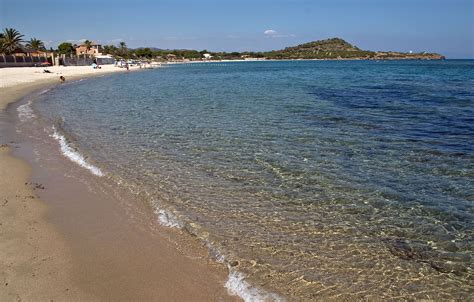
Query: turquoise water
[314,179]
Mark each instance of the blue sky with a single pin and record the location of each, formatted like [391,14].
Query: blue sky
[444,26]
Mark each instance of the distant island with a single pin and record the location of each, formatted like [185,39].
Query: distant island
[329,49]
[337,48]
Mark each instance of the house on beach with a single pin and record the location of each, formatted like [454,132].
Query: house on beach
[171,57]
[95,49]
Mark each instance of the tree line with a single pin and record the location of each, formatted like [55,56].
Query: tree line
[12,41]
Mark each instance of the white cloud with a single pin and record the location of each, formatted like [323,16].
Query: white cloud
[271,33]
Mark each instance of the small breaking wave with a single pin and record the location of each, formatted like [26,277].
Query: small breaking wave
[73,155]
[237,285]
[167,219]
[25,112]
[44,91]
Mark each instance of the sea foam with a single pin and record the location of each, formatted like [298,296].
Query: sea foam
[237,285]
[44,91]
[25,112]
[167,219]
[73,155]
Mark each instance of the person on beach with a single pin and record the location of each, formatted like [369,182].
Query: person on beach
[62,79]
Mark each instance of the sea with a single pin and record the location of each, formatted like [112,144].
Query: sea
[310,180]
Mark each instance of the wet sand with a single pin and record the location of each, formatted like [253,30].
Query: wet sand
[35,261]
[67,236]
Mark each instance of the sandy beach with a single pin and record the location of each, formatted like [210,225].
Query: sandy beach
[60,240]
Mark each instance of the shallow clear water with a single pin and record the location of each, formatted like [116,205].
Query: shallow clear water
[315,179]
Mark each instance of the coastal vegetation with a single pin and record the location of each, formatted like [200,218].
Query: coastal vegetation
[66,48]
[10,41]
[330,49]
[35,44]
[337,48]
[88,45]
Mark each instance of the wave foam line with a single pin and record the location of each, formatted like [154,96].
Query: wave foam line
[167,219]
[25,112]
[73,155]
[237,285]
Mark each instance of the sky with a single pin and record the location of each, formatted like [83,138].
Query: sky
[442,26]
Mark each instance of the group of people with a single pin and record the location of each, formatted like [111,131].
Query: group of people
[95,65]
[122,64]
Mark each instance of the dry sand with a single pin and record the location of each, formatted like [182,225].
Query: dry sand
[26,75]
[20,81]
[67,243]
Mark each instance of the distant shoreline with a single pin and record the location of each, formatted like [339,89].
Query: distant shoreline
[300,60]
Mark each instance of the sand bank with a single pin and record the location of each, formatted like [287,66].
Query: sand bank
[62,240]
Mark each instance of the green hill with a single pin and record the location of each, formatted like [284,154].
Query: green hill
[334,44]
[329,49]
[338,49]
[323,49]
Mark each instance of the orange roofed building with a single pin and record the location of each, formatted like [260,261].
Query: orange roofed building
[96,49]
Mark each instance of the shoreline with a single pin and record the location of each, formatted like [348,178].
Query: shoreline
[93,255]
[306,60]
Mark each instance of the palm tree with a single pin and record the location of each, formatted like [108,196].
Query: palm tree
[35,44]
[2,50]
[11,40]
[109,49]
[123,48]
[88,45]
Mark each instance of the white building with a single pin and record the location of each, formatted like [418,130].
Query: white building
[104,59]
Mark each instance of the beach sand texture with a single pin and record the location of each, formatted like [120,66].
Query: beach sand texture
[61,242]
